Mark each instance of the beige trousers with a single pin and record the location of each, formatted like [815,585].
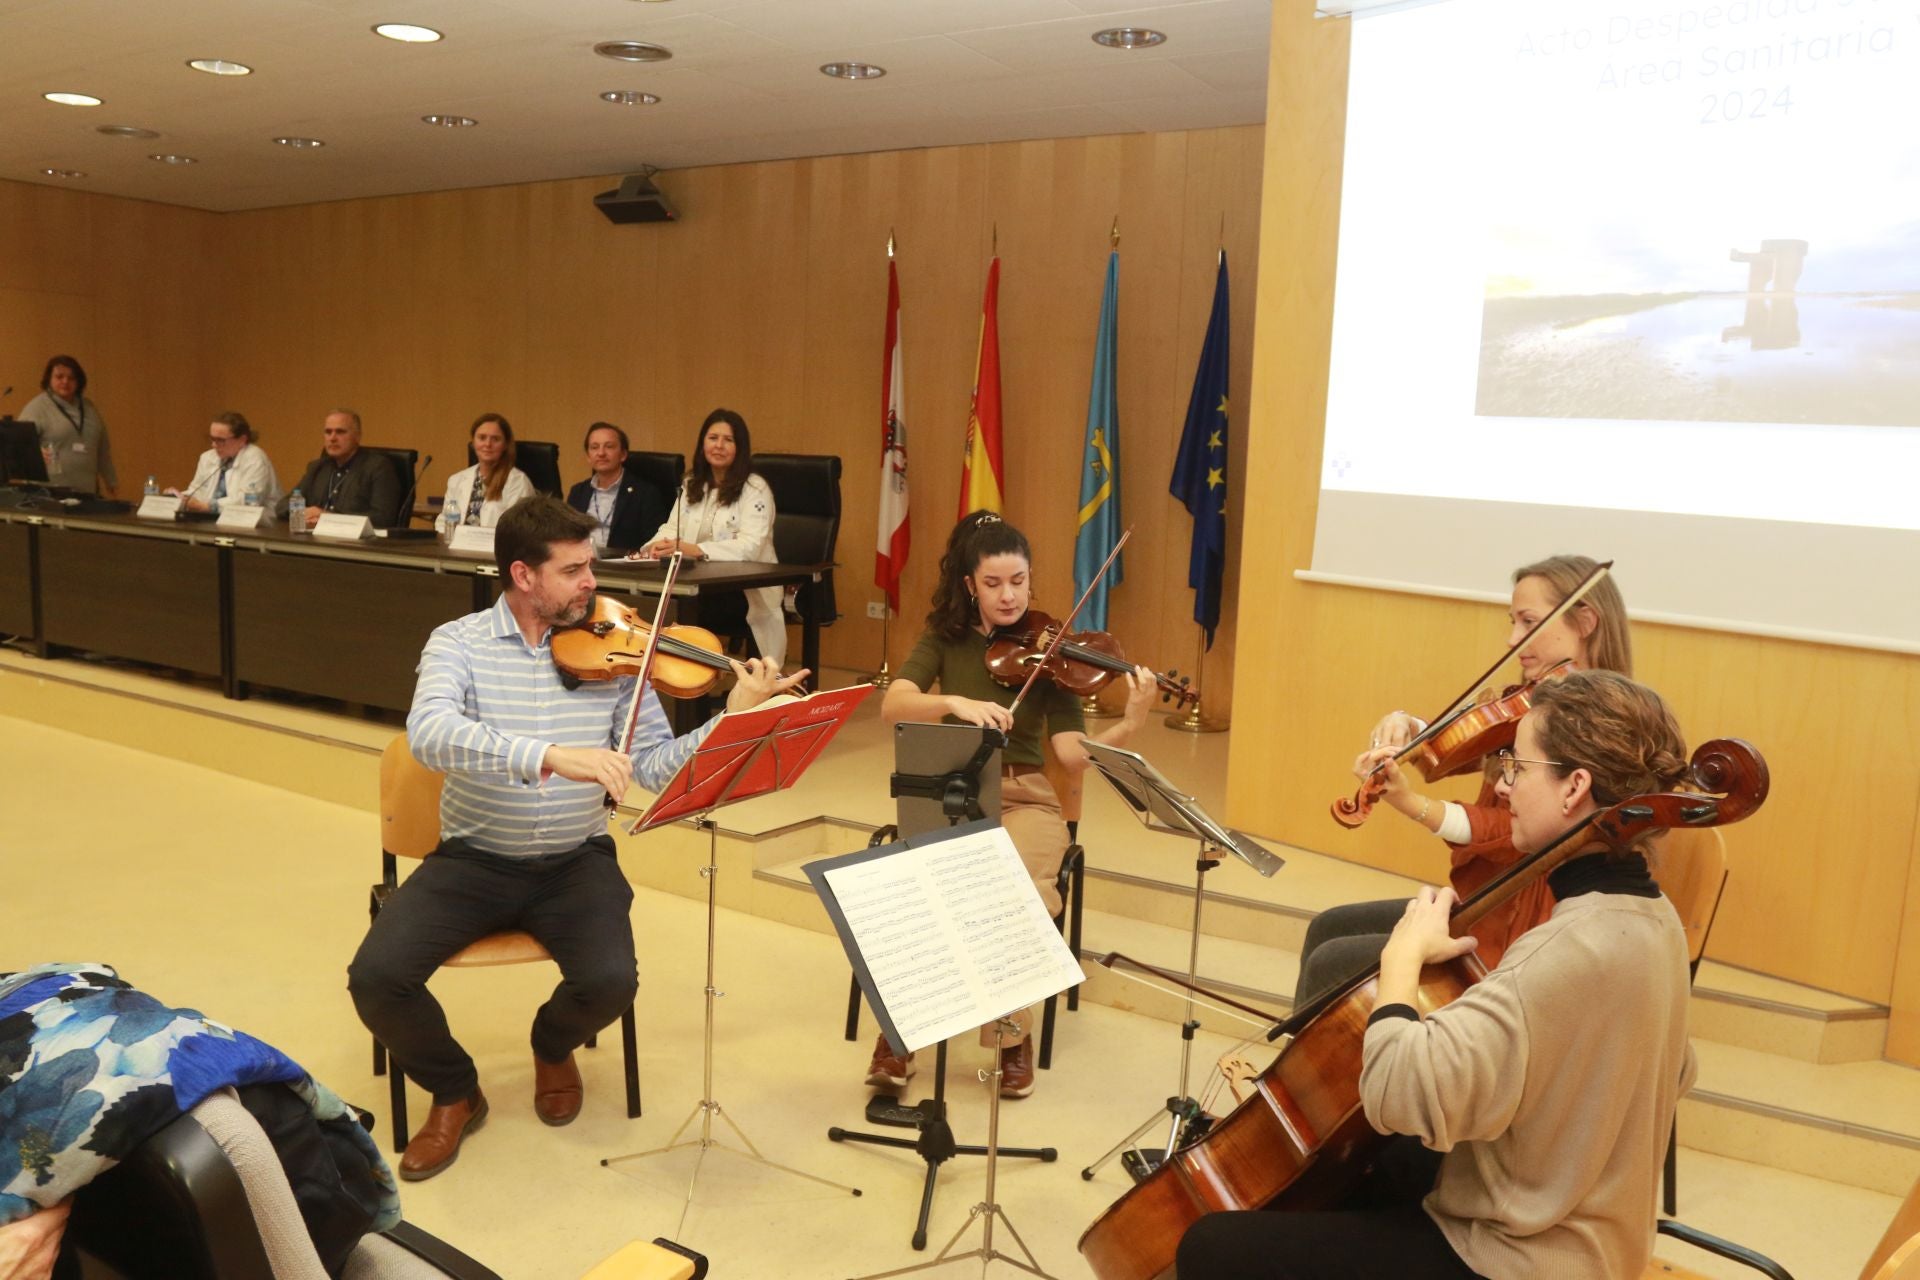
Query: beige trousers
[1030,811]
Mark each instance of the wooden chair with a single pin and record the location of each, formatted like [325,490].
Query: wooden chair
[410,828]
[1691,867]
[1896,1257]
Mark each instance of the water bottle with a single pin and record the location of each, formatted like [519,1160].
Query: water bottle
[252,498]
[153,487]
[296,513]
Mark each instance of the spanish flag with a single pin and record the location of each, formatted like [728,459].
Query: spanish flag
[982,474]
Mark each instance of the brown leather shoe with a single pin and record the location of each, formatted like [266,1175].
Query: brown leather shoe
[437,1144]
[888,1070]
[557,1090]
[1016,1070]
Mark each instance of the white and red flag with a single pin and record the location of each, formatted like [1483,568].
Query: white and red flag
[895,533]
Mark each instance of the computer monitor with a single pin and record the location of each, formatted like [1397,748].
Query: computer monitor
[20,457]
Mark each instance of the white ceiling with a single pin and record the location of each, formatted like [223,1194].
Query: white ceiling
[743,84]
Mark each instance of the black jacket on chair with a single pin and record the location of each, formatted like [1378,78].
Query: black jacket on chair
[638,510]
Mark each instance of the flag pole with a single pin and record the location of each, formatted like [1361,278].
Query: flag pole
[884,677]
[1194,719]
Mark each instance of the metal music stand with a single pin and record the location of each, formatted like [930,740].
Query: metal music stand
[1163,807]
[945,774]
[723,769]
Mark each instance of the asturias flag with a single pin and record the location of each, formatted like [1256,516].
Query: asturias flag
[1100,466]
[890,551]
[982,478]
[1200,468]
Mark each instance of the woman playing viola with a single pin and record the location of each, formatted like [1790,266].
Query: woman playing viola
[1542,1098]
[1593,634]
[986,585]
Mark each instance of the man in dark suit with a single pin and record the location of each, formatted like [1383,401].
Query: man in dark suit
[626,509]
[346,479]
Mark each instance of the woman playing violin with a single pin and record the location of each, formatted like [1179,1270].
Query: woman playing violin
[1593,634]
[986,585]
[1548,1089]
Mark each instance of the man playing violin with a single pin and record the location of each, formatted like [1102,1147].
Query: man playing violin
[1593,634]
[1548,1088]
[986,585]
[530,765]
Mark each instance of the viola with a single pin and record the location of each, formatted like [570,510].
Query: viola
[1453,744]
[1080,662]
[1301,1140]
[611,642]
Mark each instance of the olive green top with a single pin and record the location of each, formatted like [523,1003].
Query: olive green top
[960,667]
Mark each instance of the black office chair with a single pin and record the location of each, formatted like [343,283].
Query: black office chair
[662,470]
[539,459]
[806,522]
[404,462]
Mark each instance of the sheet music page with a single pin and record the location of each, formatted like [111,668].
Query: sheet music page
[954,934]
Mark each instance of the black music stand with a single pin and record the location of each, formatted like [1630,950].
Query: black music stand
[957,791]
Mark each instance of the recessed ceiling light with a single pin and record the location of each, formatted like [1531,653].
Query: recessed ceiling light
[125,131]
[63,173]
[167,158]
[450,122]
[852,71]
[1129,38]
[632,51]
[629,97]
[220,67]
[299,144]
[406,33]
[72,99]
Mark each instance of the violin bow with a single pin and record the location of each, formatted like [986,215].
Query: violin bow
[1066,623]
[1465,700]
[646,663]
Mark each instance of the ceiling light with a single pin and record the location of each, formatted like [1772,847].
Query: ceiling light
[630,97]
[173,159]
[406,33]
[1129,38]
[632,51]
[72,99]
[220,67]
[125,131]
[63,173]
[852,71]
[299,144]
[450,122]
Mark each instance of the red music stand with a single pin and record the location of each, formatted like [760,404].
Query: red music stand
[748,753]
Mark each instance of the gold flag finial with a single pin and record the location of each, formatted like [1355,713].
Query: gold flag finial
[1113,234]
[889,242]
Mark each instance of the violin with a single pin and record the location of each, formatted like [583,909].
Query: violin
[611,642]
[1301,1139]
[1080,662]
[1453,744]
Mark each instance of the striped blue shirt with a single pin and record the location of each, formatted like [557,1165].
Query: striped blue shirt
[486,708]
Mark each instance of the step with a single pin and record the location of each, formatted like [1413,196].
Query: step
[1755,1011]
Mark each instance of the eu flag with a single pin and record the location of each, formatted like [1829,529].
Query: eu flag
[1200,468]
[1100,467]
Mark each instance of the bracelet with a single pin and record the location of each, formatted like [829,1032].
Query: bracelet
[1424,809]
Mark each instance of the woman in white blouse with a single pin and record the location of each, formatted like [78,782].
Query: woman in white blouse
[725,512]
[232,467]
[480,493]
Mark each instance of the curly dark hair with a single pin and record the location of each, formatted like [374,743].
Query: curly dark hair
[700,475]
[978,536]
[79,375]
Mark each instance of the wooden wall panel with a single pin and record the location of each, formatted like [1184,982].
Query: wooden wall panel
[1821,881]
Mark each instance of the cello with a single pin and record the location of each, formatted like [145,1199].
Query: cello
[1302,1140]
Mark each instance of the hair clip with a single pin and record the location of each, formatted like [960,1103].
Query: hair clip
[986,518]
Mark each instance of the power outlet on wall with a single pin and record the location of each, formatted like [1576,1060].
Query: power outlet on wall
[877,609]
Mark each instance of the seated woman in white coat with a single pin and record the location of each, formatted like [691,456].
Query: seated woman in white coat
[231,468]
[480,493]
[725,512]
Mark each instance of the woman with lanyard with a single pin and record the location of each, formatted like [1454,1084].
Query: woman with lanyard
[1542,1098]
[478,494]
[724,511]
[986,584]
[1343,940]
[73,436]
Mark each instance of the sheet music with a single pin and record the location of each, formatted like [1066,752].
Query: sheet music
[953,933]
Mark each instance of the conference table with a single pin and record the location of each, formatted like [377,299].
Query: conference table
[265,607]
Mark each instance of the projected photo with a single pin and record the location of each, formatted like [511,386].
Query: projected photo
[1774,346]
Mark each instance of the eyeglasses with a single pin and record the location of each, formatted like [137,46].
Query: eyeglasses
[1510,765]
[221,439]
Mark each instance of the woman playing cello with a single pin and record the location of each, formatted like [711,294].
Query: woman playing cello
[1593,634]
[986,585]
[1549,1086]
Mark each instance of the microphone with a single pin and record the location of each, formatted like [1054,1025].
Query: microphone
[405,530]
